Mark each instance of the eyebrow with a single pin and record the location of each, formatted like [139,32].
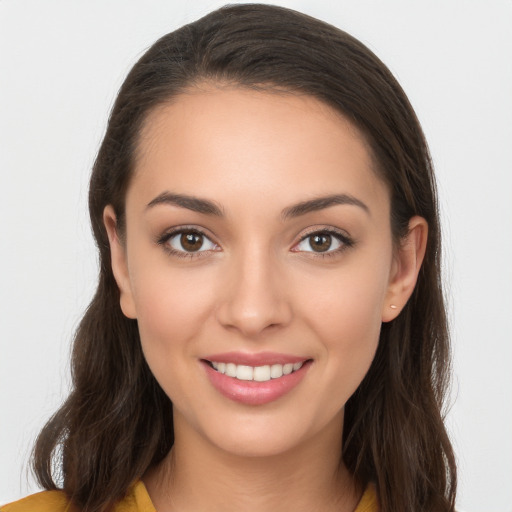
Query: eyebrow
[321,203]
[207,207]
[195,204]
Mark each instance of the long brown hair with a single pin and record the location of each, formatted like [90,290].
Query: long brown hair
[117,421]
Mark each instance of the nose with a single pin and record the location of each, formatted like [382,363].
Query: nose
[254,297]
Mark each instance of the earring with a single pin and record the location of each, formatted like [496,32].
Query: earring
[393,306]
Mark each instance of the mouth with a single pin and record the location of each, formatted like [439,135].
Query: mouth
[255,379]
[255,373]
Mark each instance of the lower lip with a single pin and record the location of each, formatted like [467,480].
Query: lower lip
[250,392]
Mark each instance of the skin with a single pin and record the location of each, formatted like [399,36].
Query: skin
[258,286]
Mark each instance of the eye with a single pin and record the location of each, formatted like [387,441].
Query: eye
[187,242]
[323,242]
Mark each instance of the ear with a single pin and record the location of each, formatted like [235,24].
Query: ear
[119,263]
[405,269]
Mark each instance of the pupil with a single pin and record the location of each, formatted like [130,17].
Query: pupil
[320,243]
[191,241]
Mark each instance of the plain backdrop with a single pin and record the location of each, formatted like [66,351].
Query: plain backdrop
[61,63]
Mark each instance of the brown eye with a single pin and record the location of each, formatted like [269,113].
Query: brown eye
[191,242]
[320,242]
[323,242]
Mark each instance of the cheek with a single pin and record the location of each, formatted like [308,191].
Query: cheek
[350,334]
[345,315]
[171,305]
[172,310]
[348,303]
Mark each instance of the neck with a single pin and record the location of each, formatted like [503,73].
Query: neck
[198,476]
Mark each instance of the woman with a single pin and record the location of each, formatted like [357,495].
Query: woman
[268,329]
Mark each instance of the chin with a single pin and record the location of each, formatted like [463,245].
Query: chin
[269,435]
[258,446]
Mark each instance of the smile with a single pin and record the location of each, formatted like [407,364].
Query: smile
[256,373]
[255,379]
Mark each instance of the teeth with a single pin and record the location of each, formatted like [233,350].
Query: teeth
[261,373]
[244,372]
[231,370]
[288,368]
[256,373]
[276,371]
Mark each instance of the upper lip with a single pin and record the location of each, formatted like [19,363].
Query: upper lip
[255,359]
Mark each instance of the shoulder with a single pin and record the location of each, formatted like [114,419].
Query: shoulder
[46,501]
[136,500]
[369,501]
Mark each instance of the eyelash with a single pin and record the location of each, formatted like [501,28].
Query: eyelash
[343,238]
[183,254]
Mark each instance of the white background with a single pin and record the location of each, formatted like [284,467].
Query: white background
[61,63]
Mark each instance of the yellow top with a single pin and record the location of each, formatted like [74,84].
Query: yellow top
[137,500]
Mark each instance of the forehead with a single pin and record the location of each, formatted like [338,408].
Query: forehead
[272,145]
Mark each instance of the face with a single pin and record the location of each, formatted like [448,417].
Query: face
[258,262]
